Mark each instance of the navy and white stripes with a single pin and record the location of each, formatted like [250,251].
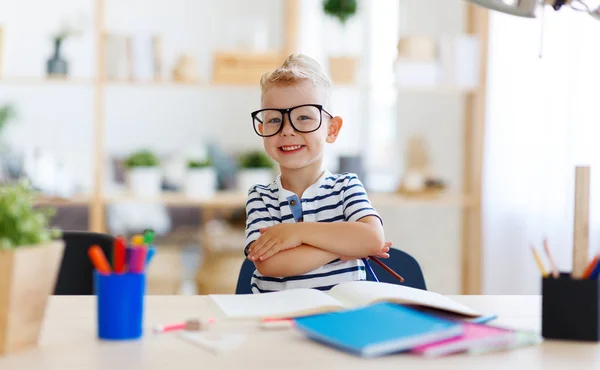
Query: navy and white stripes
[332,198]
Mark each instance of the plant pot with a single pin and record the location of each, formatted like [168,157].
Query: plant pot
[145,181]
[343,70]
[27,278]
[249,177]
[56,65]
[200,182]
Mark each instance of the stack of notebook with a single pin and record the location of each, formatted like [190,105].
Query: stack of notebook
[385,328]
[374,319]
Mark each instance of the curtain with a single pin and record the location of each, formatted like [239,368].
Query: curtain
[542,120]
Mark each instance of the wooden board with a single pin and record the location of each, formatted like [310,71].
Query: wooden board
[581,221]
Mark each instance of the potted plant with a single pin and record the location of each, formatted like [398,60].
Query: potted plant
[342,67]
[30,256]
[200,179]
[143,173]
[57,66]
[255,168]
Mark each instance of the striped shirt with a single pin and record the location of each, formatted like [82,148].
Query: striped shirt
[332,198]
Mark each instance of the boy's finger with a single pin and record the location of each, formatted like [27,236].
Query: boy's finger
[274,249]
[266,247]
[258,247]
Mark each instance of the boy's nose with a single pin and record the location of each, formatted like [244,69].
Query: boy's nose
[287,128]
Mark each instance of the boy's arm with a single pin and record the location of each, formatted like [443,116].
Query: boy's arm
[293,262]
[360,237]
[296,261]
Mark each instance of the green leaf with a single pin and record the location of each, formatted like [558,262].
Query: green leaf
[255,159]
[21,223]
[340,9]
[142,158]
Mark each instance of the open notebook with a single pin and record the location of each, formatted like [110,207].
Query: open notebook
[303,302]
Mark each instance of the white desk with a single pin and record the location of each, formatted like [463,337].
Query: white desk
[69,342]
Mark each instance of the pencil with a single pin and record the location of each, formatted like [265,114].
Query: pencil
[590,267]
[538,261]
[386,268]
[555,273]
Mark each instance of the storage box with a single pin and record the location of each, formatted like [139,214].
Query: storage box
[240,68]
[570,308]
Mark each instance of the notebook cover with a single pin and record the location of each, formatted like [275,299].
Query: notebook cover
[377,329]
[475,336]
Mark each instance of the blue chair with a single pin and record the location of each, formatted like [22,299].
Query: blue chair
[401,262]
[243,283]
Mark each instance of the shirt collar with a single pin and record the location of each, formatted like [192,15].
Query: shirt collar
[310,192]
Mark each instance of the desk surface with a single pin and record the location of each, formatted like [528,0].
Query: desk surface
[68,342]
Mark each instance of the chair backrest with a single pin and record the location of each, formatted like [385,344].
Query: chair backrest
[401,262]
[75,275]
[246,271]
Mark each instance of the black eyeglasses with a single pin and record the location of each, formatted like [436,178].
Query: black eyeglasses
[303,118]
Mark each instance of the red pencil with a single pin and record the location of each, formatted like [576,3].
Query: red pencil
[386,268]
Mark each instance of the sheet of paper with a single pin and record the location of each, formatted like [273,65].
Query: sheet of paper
[286,303]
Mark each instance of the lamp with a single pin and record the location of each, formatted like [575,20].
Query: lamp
[527,8]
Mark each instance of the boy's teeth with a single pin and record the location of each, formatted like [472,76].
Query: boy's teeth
[288,148]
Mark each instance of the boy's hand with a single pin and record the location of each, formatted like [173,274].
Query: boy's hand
[383,254]
[274,239]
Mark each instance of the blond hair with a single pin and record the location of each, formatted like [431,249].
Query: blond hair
[297,68]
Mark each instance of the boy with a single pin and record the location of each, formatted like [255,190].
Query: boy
[296,233]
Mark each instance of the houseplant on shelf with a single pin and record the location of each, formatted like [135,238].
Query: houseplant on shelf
[342,67]
[200,178]
[30,256]
[143,173]
[255,168]
[57,66]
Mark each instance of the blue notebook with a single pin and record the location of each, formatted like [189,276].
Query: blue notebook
[377,330]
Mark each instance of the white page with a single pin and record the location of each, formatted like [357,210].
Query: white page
[285,303]
[362,293]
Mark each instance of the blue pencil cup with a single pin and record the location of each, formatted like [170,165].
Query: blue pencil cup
[120,305]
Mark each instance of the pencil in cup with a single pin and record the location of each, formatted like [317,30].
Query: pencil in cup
[99,260]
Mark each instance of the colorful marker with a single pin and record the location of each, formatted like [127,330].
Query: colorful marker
[99,259]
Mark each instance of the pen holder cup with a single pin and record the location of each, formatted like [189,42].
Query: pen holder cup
[570,308]
[120,305]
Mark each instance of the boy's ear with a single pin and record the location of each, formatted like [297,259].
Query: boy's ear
[333,130]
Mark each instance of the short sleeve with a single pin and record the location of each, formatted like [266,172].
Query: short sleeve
[257,217]
[356,201]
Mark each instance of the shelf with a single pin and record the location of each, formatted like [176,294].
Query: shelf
[233,199]
[155,83]
[53,201]
[410,89]
[441,199]
[39,81]
[226,199]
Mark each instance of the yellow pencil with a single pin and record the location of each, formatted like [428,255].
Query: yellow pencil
[538,260]
[553,267]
